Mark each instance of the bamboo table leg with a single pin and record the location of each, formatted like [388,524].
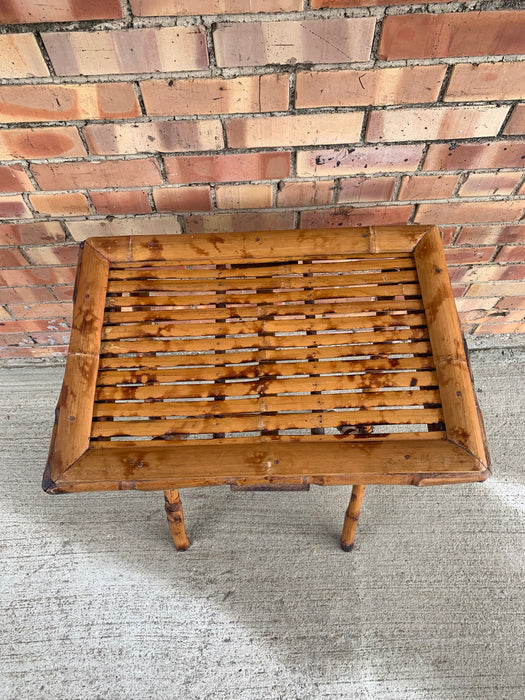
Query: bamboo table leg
[175,515]
[352,518]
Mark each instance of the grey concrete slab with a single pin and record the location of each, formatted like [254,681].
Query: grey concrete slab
[96,603]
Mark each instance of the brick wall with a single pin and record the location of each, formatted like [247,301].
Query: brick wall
[218,115]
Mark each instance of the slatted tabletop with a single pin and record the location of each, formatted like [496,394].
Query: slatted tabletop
[312,339]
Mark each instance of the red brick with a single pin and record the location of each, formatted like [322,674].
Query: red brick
[12,257]
[13,178]
[472,304]
[228,168]
[24,11]
[51,338]
[490,273]
[350,161]
[63,204]
[244,196]
[290,42]
[41,232]
[487,184]
[511,303]
[155,8]
[52,255]
[129,226]
[51,310]
[509,253]
[24,295]
[456,34]
[475,156]
[305,194]
[121,202]
[467,256]
[516,123]
[33,352]
[422,124]
[153,137]
[17,339]
[497,289]
[458,290]
[14,207]
[447,234]
[428,187]
[521,190]
[467,212]
[183,198]
[248,93]
[64,293]
[486,235]
[499,328]
[350,88]
[20,57]
[43,142]
[486,81]
[97,174]
[349,216]
[4,315]
[44,275]
[240,221]
[42,103]
[366,189]
[127,50]
[296,130]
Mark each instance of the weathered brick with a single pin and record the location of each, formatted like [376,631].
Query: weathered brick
[510,253]
[467,212]
[4,315]
[349,216]
[486,235]
[12,258]
[24,234]
[367,189]
[318,4]
[516,123]
[97,174]
[20,57]
[367,159]
[134,226]
[244,196]
[475,156]
[13,178]
[127,51]
[52,255]
[14,207]
[486,81]
[153,137]
[427,187]
[50,310]
[486,184]
[44,275]
[183,198]
[490,273]
[350,88]
[24,295]
[227,168]
[305,194]
[51,338]
[42,142]
[121,202]
[497,289]
[25,11]
[422,124]
[498,328]
[17,339]
[241,221]
[155,8]
[472,304]
[63,204]
[249,93]
[455,34]
[521,190]
[33,352]
[298,130]
[64,293]
[42,103]
[468,256]
[291,42]
[511,303]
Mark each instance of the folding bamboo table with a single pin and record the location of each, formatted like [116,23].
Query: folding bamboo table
[271,359]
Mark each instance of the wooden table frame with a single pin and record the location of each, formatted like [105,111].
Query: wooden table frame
[79,463]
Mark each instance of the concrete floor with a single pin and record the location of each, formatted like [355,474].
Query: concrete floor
[96,603]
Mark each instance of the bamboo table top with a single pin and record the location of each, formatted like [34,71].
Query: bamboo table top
[331,356]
